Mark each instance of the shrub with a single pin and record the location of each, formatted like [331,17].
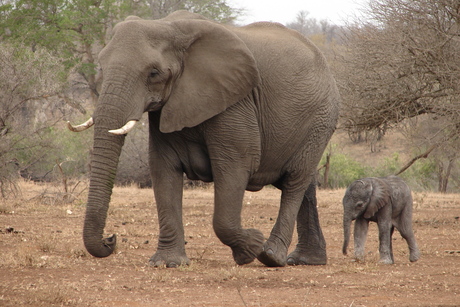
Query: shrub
[344,170]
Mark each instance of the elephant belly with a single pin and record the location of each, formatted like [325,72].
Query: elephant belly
[261,179]
[198,165]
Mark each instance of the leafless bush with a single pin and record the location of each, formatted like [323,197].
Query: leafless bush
[403,62]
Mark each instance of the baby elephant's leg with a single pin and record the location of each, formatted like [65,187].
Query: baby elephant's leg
[405,228]
[360,236]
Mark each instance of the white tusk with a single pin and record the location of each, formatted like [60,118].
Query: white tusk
[125,129]
[81,127]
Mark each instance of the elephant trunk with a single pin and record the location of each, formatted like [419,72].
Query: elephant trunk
[346,234]
[104,162]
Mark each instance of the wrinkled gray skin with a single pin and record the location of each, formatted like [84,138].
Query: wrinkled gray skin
[385,200]
[243,107]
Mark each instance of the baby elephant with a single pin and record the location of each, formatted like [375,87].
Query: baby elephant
[385,200]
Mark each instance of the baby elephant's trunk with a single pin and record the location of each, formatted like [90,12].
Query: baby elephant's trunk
[346,234]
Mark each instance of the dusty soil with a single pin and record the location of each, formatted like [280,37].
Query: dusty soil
[43,261]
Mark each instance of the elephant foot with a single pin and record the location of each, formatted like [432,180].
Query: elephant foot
[273,255]
[251,247]
[386,258]
[414,256]
[359,257]
[386,261]
[169,259]
[299,257]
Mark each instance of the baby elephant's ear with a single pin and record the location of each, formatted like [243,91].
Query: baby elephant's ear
[380,197]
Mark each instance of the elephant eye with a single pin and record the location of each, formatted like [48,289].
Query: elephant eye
[359,204]
[154,73]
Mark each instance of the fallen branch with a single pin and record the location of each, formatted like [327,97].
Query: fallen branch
[452,252]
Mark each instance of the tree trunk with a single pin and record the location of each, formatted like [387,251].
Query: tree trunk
[443,178]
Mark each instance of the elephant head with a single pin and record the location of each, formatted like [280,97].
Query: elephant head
[363,198]
[185,67]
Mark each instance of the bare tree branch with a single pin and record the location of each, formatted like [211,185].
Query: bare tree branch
[421,156]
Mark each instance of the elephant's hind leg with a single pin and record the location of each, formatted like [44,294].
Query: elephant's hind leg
[405,229]
[311,246]
[275,249]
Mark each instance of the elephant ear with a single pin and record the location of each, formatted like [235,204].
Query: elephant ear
[218,71]
[380,197]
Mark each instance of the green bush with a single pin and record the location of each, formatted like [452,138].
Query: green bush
[422,175]
[344,170]
[71,150]
[389,166]
[37,157]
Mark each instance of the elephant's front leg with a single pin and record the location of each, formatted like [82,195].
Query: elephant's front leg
[276,247]
[168,187]
[246,244]
[311,246]
[359,237]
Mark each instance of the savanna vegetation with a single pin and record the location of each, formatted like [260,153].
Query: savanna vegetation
[397,68]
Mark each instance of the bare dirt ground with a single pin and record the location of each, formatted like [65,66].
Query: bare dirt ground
[43,261]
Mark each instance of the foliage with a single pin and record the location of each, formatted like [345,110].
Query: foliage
[72,152]
[73,30]
[390,166]
[343,169]
[218,10]
[422,176]
[63,26]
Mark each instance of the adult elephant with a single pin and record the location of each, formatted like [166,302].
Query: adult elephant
[243,107]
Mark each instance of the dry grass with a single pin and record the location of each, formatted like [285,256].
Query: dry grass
[43,261]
